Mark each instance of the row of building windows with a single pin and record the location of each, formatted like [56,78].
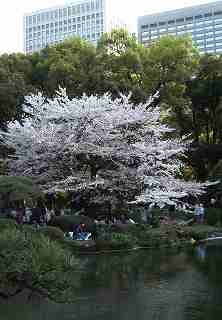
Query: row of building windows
[61,23]
[56,30]
[199,45]
[186,30]
[211,24]
[61,32]
[179,31]
[42,44]
[50,38]
[186,19]
[64,12]
[197,37]
[83,18]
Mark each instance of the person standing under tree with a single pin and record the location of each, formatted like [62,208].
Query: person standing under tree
[197,212]
[201,213]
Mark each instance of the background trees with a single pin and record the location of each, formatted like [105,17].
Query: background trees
[188,85]
[14,70]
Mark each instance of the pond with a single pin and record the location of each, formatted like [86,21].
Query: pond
[142,285]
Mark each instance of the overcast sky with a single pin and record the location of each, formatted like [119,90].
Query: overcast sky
[12,11]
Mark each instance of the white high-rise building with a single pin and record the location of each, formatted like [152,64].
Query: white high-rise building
[85,18]
[202,22]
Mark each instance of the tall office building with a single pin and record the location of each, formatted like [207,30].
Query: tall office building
[85,18]
[203,23]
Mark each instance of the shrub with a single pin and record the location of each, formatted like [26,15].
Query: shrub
[67,222]
[213,216]
[52,233]
[120,240]
[114,241]
[7,224]
[31,261]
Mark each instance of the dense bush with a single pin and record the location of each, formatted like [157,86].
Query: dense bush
[68,222]
[31,261]
[52,233]
[199,232]
[7,224]
[115,241]
[213,216]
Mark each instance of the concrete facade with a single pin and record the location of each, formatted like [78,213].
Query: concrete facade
[203,23]
[85,18]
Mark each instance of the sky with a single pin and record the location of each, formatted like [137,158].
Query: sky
[12,11]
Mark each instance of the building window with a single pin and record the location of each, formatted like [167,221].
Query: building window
[209,34]
[180,32]
[208,15]
[209,45]
[171,21]
[171,29]
[207,23]
[200,42]
[189,18]
[218,21]
[181,27]
[218,31]
[199,23]
[199,16]
[180,20]
[73,10]
[153,25]
[162,23]
[153,31]
[217,13]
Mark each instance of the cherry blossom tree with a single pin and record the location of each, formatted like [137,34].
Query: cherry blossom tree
[99,143]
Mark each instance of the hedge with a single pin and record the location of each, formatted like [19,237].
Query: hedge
[68,222]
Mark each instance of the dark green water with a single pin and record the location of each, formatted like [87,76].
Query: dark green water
[140,286]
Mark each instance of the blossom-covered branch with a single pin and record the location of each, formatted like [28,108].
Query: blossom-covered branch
[73,143]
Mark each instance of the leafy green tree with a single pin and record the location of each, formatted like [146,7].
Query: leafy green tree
[205,92]
[167,66]
[17,188]
[71,64]
[14,71]
[120,55]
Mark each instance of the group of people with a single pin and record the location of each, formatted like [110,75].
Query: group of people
[38,215]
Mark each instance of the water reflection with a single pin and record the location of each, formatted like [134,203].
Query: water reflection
[142,285]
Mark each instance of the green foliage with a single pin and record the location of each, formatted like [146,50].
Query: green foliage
[119,240]
[115,241]
[120,55]
[71,64]
[189,85]
[69,222]
[13,86]
[31,261]
[52,233]
[7,224]
[200,232]
[18,188]
[213,216]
